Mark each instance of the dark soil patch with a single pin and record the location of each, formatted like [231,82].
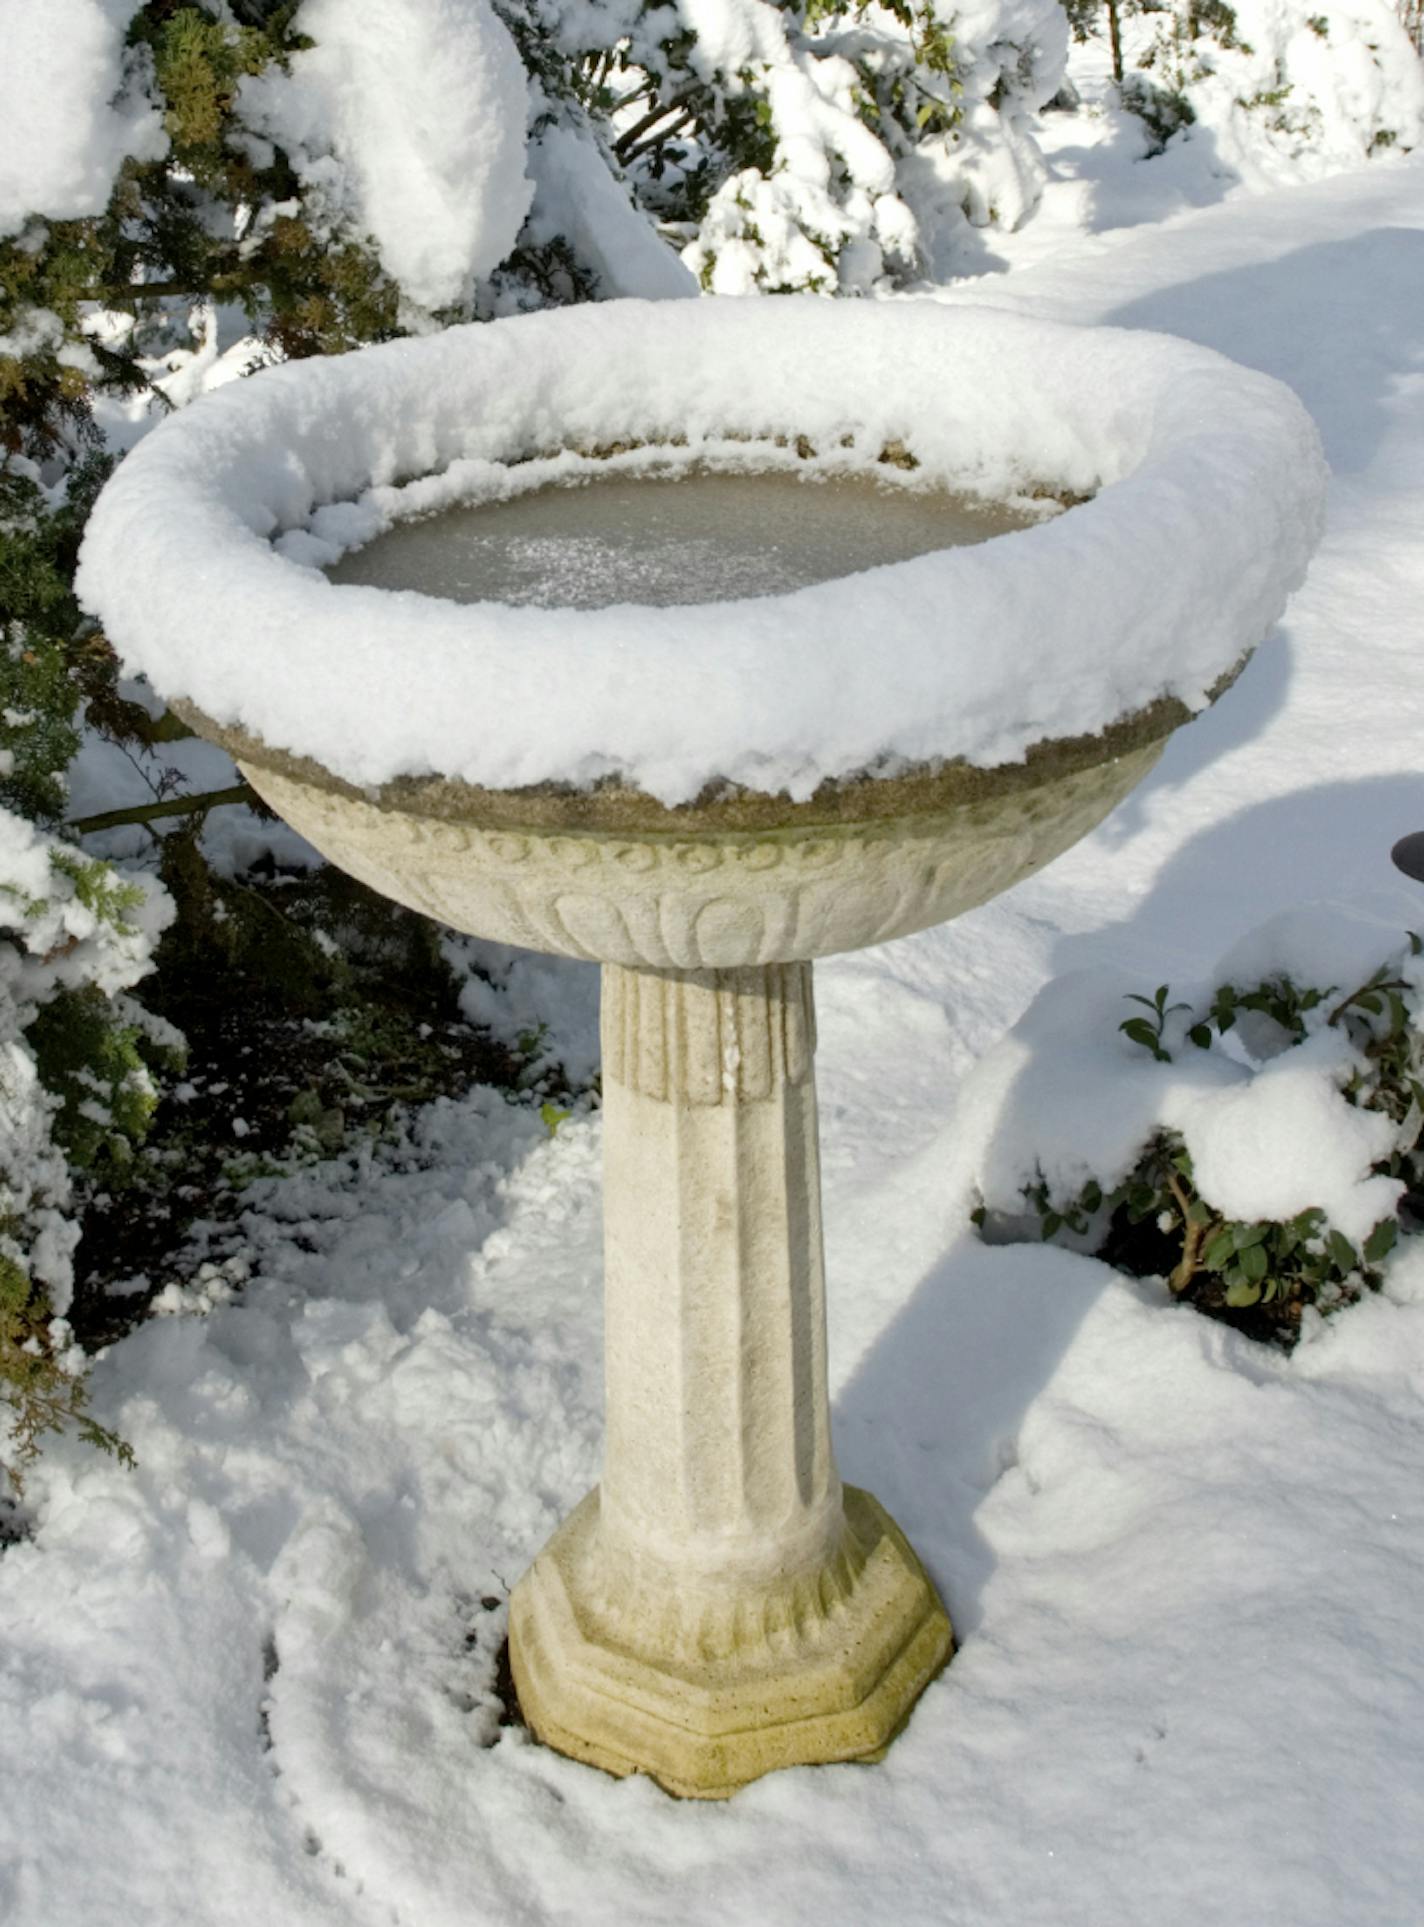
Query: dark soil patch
[14,1526]
[316,1015]
[505,1692]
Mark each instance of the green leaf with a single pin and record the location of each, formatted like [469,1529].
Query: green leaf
[1254,1263]
[1244,1236]
[1342,1252]
[1219,1252]
[1241,1292]
[1141,1032]
[1200,1035]
[1381,1241]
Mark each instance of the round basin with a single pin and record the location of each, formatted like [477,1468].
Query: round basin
[704,640]
[734,877]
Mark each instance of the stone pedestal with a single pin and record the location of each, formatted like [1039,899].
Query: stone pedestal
[720,1605]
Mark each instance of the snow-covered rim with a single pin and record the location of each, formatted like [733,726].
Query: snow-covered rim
[1207,483]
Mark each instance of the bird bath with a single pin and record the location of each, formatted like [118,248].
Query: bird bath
[720,1604]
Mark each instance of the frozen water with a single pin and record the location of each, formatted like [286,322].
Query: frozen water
[700,537]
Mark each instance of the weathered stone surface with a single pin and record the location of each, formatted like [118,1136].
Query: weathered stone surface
[613,807]
[720,1605]
[710,898]
[706,1688]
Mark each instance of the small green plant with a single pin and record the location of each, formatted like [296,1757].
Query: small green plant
[1260,1273]
[1148,1031]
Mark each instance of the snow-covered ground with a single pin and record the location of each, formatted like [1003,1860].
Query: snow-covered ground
[251,1682]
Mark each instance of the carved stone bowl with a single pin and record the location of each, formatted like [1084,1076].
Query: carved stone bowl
[734,879]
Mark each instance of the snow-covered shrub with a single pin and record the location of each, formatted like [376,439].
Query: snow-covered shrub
[1280,89]
[39,674]
[827,144]
[1259,1145]
[75,1095]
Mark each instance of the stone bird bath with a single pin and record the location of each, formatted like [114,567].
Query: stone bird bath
[721,1604]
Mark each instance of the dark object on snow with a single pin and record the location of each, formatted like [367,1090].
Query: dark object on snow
[255,13]
[1408,855]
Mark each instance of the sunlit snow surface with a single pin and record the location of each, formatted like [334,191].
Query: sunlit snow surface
[1185,1572]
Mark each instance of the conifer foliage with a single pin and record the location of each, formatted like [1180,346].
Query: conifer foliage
[134,235]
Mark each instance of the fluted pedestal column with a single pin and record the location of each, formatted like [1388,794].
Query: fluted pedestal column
[720,1605]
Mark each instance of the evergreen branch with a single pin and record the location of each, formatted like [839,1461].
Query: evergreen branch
[684,119]
[626,144]
[221,281]
[170,806]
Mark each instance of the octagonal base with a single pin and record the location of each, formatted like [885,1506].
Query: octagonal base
[706,1688]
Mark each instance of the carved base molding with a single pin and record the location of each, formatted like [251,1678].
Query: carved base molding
[706,1689]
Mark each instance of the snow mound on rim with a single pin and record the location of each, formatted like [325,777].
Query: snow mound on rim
[1207,483]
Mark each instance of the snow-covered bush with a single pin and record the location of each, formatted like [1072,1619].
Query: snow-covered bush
[827,144]
[154,237]
[1258,1144]
[75,1095]
[1278,89]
